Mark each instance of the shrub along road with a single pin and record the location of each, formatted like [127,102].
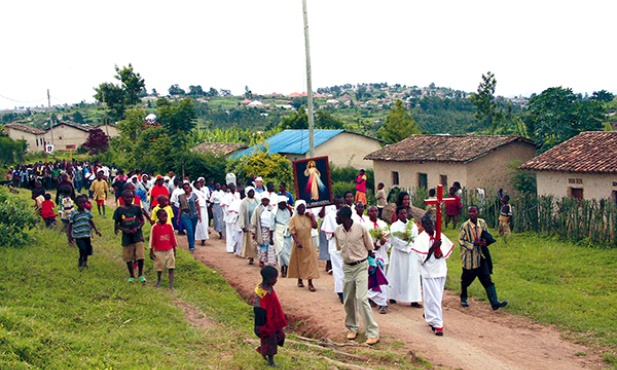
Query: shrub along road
[474,338]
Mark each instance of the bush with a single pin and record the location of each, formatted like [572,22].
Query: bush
[208,165]
[16,219]
[339,188]
[271,167]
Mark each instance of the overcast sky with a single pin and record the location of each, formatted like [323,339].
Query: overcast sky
[70,47]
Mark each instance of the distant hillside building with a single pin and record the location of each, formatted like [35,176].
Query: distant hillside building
[67,135]
[424,161]
[583,167]
[224,149]
[342,148]
[34,137]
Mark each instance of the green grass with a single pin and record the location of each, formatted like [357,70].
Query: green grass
[53,316]
[553,282]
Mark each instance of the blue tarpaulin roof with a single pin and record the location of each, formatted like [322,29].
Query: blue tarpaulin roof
[290,142]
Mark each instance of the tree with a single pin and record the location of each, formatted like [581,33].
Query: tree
[398,125]
[327,121]
[176,90]
[196,90]
[120,97]
[154,92]
[78,118]
[212,92]
[295,121]
[603,96]
[487,113]
[11,151]
[558,114]
[132,125]
[97,142]
[225,93]
[247,92]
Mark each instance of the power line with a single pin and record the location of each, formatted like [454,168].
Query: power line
[21,101]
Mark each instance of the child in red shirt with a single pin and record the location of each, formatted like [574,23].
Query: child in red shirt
[163,247]
[269,317]
[47,211]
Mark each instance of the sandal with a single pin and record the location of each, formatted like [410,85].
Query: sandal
[312,288]
[300,284]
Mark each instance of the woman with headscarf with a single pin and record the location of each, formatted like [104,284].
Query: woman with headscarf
[280,229]
[231,209]
[201,230]
[303,260]
[247,207]
[260,228]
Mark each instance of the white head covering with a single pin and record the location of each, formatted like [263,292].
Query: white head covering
[247,189]
[298,203]
[281,198]
[264,195]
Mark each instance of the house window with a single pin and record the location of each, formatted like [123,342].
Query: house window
[576,193]
[60,138]
[443,180]
[422,180]
[394,177]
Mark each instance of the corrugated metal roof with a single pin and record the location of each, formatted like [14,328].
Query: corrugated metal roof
[588,152]
[290,142]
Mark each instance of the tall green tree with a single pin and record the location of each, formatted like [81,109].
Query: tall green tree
[558,114]
[120,97]
[487,112]
[295,121]
[132,124]
[178,120]
[326,121]
[398,125]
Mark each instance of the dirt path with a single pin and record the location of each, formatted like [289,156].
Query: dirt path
[474,338]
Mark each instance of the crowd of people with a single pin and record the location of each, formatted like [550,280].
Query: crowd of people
[372,263]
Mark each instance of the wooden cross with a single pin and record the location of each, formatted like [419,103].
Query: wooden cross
[439,201]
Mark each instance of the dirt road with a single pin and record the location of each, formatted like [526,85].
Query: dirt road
[474,338]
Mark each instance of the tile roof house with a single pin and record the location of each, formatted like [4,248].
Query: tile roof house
[424,161]
[343,148]
[34,137]
[583,167]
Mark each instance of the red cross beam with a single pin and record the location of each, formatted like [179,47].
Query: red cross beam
[439,201]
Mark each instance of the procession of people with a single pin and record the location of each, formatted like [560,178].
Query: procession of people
[372,263]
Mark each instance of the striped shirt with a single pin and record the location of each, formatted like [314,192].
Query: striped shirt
[471,254]
[81,223]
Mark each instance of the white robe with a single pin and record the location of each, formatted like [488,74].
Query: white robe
[404,271]
[380,298]
[201,230]
[233,231]
[328,226]
[434,272]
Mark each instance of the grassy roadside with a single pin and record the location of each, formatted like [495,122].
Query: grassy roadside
[54,316]
[553,282]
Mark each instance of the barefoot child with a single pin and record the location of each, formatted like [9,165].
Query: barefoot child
[129,219]
[431,251]
[80,223]
[269,317]
[163,247]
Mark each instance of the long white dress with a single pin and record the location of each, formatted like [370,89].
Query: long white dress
[380,298]
[233,232]
[201,230]
[404,270]
[328,226]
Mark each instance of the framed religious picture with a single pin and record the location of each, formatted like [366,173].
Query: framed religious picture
[313,182]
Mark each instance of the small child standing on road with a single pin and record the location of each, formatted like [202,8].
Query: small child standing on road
[47,211]
[80,223]
[163,247]
[129,219]
[269,317]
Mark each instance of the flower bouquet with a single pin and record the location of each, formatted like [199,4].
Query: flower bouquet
[379,234]
[407,234]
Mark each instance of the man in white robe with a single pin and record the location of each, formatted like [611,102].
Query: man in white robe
[431,254]
[381,248]
[403,273]
[328,226]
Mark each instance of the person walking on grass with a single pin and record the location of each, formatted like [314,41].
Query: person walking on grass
[189,213]
[269,316]
[47,211]
[163,247]
[99,189]
[473,240]
[78,231]
[129,219]
[354,243]
[431,252]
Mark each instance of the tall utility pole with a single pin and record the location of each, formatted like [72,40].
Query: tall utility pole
[51,123]
[105,115]
[309,83]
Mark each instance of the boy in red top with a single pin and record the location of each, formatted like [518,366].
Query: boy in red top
[47,211]
[269,317]
[163,247]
